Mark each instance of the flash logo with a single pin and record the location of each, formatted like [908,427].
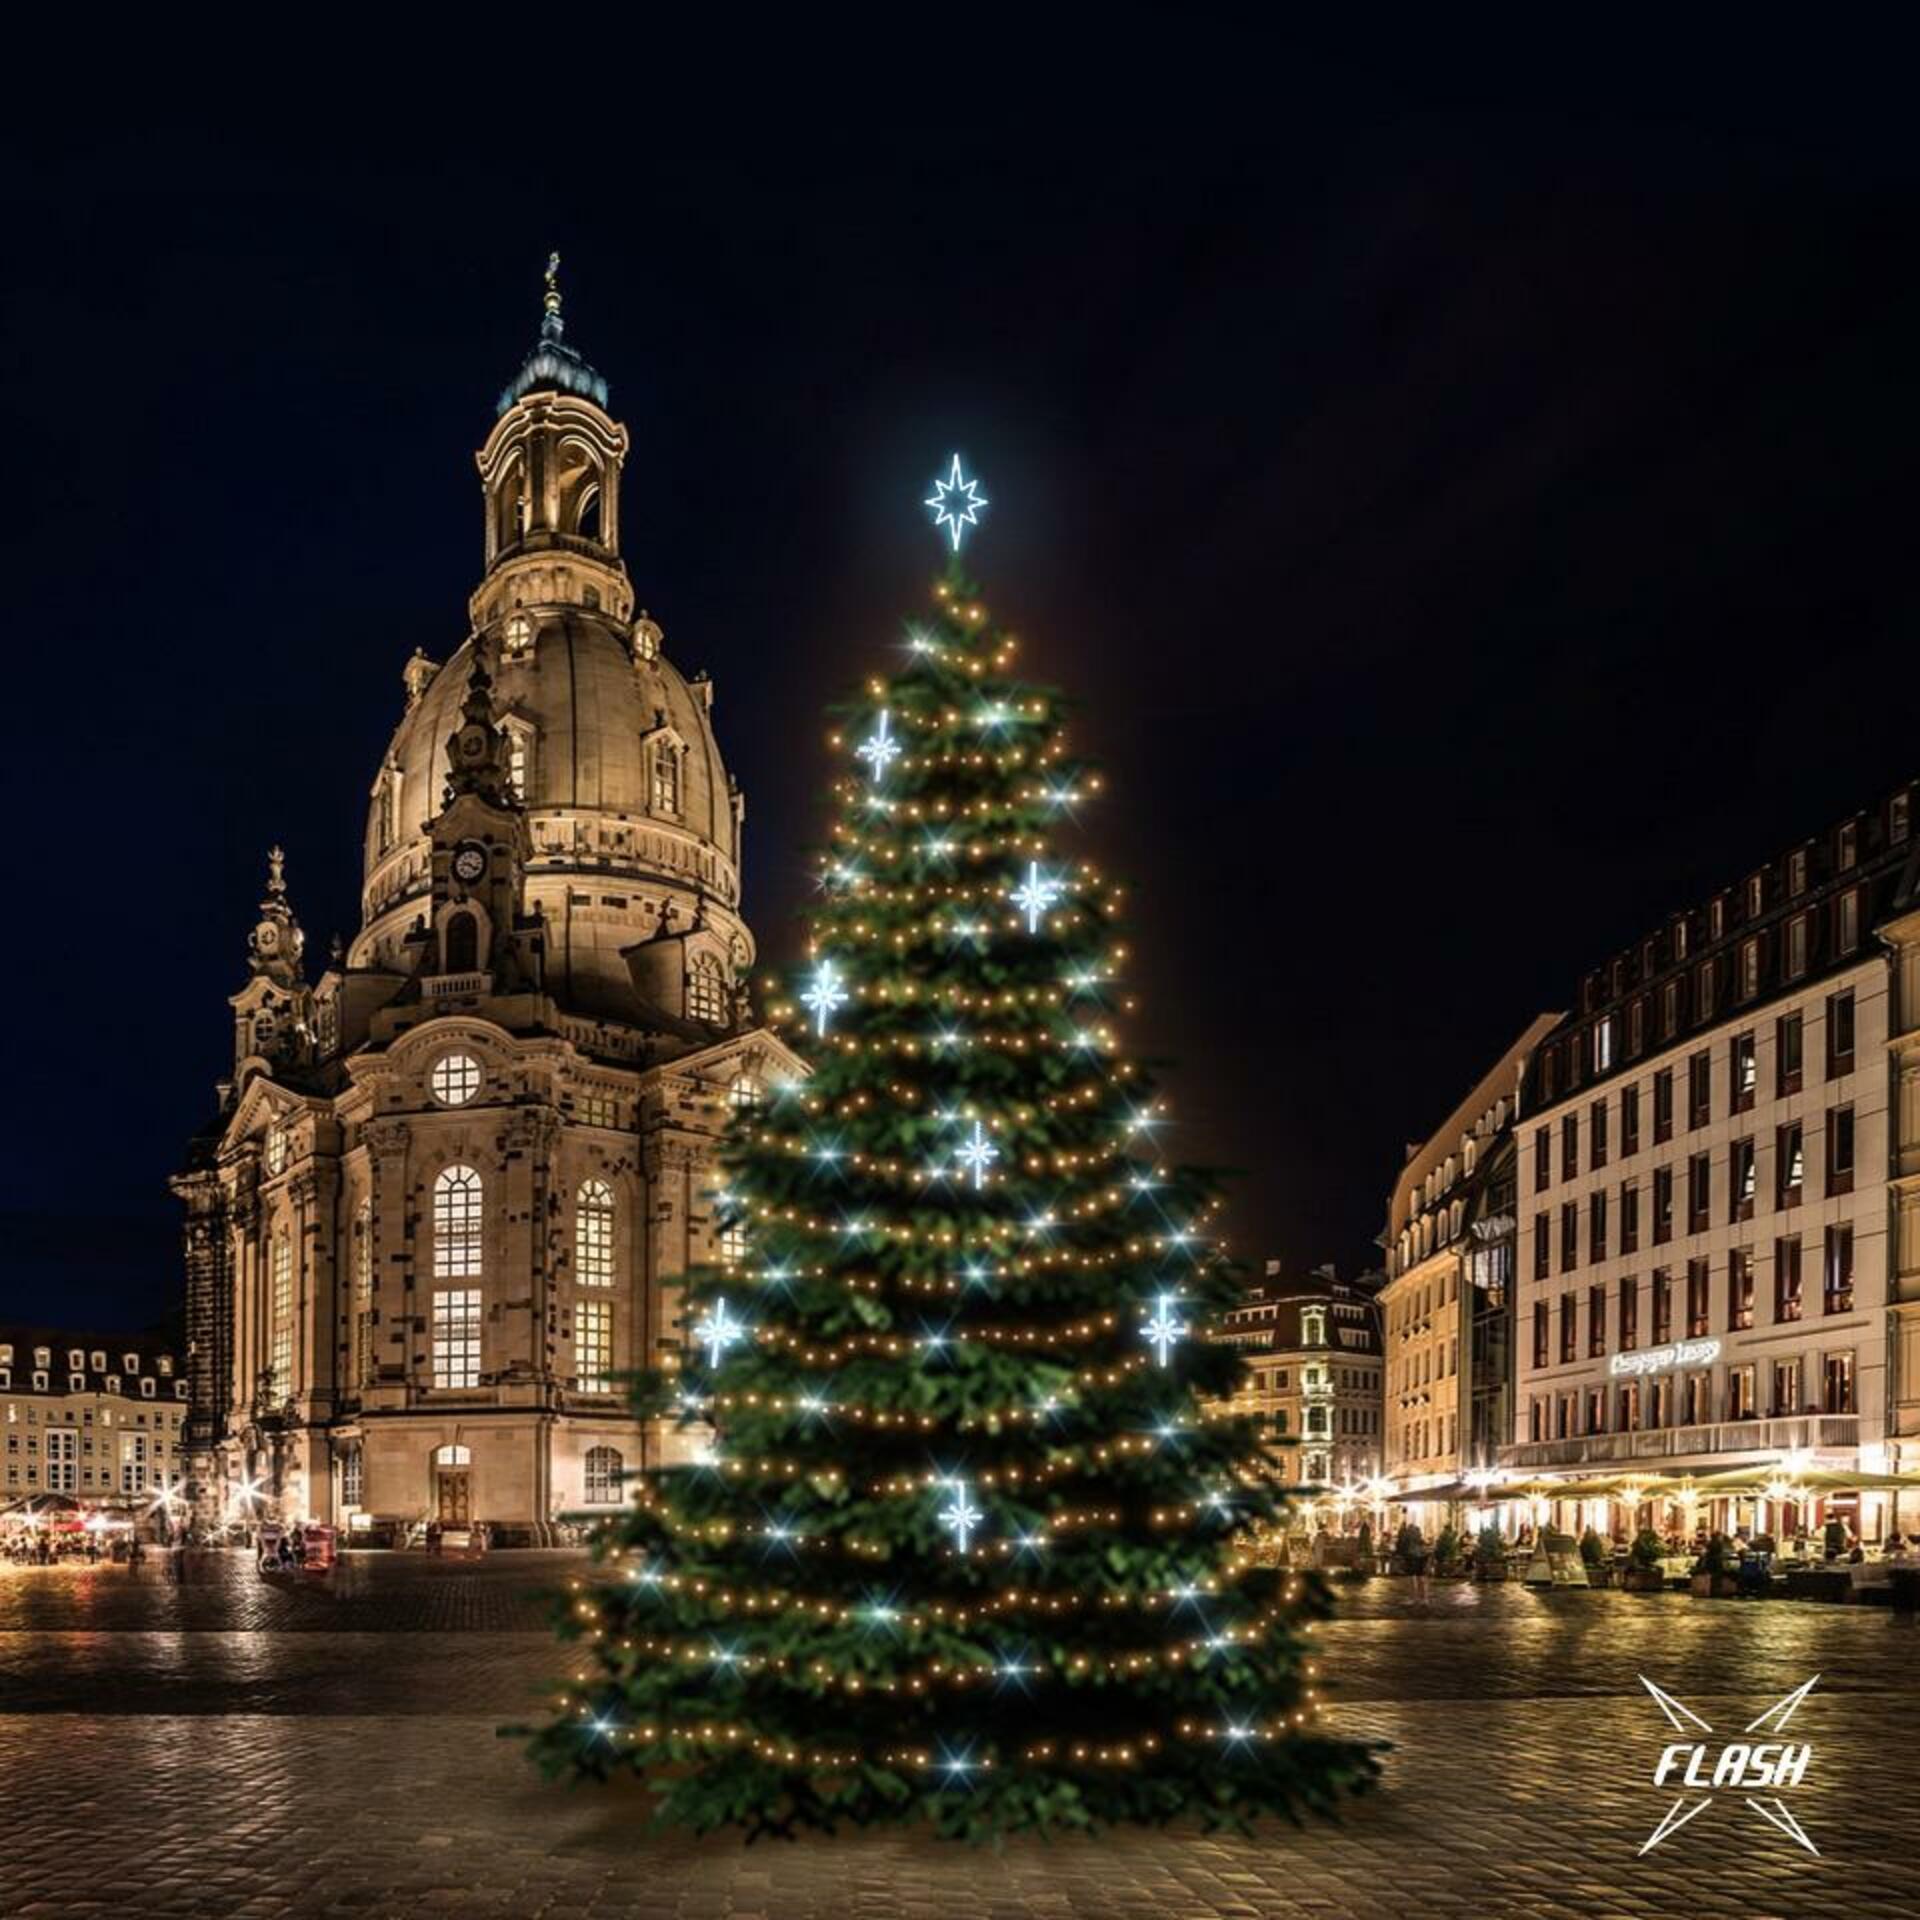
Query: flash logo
[1734,1763]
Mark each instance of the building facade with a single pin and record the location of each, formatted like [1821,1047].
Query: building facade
[1718,1240]
[451,1185]
[99,1418]
[1447,1308]
[1313,1371]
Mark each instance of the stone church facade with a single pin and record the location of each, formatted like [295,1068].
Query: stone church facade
[452,1184]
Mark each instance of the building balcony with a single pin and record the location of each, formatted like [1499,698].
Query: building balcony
[457,986]
[1809,1430]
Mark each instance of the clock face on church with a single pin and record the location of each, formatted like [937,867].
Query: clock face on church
[469,861]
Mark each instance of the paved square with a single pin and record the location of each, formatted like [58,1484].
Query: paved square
[233,1746]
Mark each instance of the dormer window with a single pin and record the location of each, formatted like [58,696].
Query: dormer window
[43,1356]
[146,1386]
[99,1361]
[666,776]
[706,991]
[76,1357]
[1797,871]
[520,760]
[76,1383]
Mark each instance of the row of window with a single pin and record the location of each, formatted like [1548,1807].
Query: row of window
[1600,1217]
[1323,1422]
[39,1380]
[1422,1437]
[666,782]
[605,1471]
[1741,1088]
[1687,1400]
[1827,931]
[1738,1296]
[79,1359]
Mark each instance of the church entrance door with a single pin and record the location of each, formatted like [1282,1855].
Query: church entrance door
[456,1503]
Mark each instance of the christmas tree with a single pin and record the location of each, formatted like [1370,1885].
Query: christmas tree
[967,1539]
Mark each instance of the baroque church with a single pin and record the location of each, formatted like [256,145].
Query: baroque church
[452,1184]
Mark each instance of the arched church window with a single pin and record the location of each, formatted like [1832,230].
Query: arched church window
[363,1360]
[666,777]
[593,1234]
[456,1224]
[462,943]
[453,1455]
[280,1351]
[276,1149]
[519,760]
[587,518]
[604,1467]
[706,991]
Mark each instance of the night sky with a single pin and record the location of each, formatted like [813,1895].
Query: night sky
[1472,530]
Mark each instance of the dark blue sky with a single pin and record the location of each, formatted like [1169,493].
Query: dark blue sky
[1471,498]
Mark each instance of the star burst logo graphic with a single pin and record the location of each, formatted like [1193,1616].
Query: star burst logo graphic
[1738,1764]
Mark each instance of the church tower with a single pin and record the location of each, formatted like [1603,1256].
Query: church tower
[451,1185]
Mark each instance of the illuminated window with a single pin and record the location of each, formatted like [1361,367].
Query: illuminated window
[455,1079]
[281,1357]
[276,1149]
[706,991]
[352,1482]
[518,636]
[733,1243]
[593,1234]
[593,1345]
[456,1225]
[384,808]
[666,777]
[61,1459]
[744,1094]
[363,1361]
[133,1463]
[456,1337]
[520,760]
[604,1467]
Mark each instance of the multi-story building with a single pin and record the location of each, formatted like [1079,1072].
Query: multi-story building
[1313,1370]
[99,1417]
[450,1187]
[1713,1150]
[1447,1307]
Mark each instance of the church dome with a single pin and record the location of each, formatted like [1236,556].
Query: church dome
[633,822]
[630,810]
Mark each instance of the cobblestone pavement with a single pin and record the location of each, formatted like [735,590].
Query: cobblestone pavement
[237,1746]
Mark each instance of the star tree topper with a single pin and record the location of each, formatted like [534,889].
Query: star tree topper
[956,502]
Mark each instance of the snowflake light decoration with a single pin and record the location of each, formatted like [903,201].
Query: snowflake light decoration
[717,1330]
[880,749]
[977,1155]
[1036,895]
[1165,1330]
[960,1516]
[826,996]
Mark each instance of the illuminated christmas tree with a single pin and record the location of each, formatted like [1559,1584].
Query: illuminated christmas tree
[966,1542]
